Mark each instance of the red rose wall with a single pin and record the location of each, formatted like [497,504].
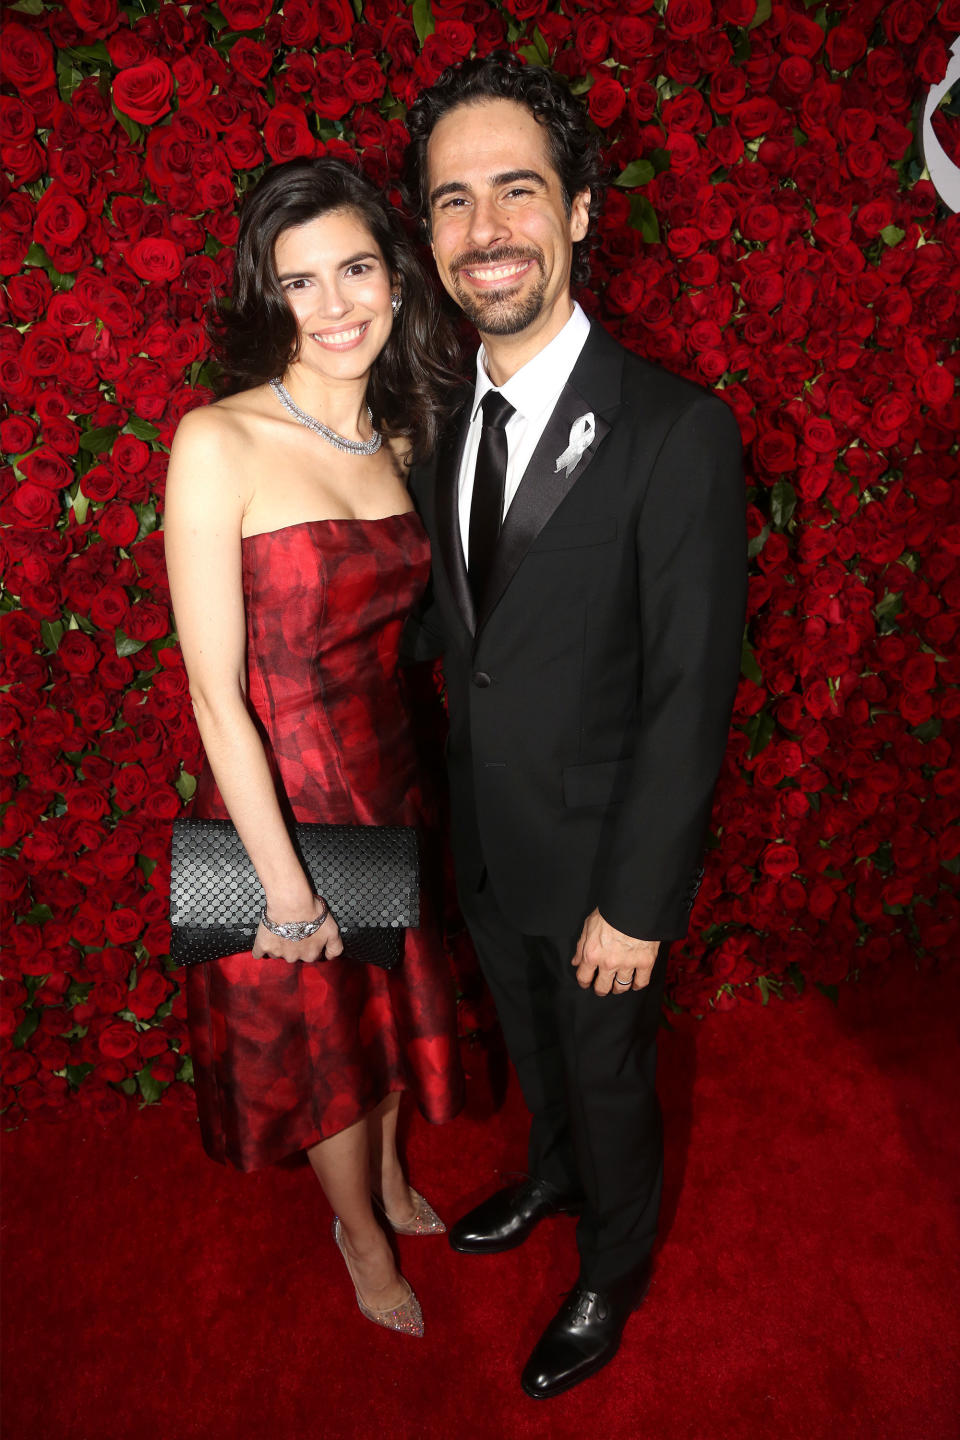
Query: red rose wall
[769,233]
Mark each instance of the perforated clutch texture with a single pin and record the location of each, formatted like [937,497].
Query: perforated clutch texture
[369,875]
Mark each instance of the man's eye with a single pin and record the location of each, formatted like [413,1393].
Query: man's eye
[454,202]
[517,192]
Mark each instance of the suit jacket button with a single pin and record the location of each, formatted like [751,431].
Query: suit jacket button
[482,680]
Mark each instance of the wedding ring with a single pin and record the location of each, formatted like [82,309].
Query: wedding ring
[625,983]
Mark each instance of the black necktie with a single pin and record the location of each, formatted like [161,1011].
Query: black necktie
[486,507]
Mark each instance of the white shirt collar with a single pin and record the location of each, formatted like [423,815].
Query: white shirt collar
[537,384]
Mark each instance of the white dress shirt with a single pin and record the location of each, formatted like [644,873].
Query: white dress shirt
[533,392]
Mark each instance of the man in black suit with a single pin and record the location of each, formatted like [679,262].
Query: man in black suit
[587,520]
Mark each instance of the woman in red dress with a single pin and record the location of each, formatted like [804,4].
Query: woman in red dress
[294,557]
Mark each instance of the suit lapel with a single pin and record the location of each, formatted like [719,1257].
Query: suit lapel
[449,455]
[593,388]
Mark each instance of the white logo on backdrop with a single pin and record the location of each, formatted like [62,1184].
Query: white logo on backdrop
[944,172]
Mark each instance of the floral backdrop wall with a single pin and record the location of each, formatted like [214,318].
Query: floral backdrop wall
[769,232]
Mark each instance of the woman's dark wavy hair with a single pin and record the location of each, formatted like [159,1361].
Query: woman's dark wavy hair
[255,333]
[574,147]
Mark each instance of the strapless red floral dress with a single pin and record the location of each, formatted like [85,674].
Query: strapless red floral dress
[286,1055]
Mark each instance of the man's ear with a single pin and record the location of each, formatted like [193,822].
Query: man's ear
[580,215]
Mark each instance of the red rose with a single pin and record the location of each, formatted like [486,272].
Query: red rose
[686,18]
[606,101]
[286,134]
[116,1041]
[60,220]
[95,18]
[245,14]
[336,21]
[77,653]
[365,81]
[301,24]
[110,608]
[156,258]
[150,991]
[26,58]
[122,926]
[118,525]
[17,434]
[33,506]
[144,91]
[45,467]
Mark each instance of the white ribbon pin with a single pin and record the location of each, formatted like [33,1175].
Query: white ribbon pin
[582,432]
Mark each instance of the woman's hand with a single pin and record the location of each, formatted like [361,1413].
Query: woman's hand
[323,944]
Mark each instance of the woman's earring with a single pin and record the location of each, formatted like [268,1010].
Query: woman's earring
[396,301]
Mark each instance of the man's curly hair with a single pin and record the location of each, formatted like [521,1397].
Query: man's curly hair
[573,146]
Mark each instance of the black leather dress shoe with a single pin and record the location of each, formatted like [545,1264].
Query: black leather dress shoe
[508,1217]
[582,1337]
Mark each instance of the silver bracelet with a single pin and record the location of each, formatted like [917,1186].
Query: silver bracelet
[295,929]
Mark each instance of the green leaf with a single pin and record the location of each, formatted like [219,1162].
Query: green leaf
[185,1071]
[185,785]
[99,440]
[762,13]
[890,606]
[953,864]
[423,21]
[80,503]
[760,730]
[134,131]
[643,217]
[542,48]
[129,1086]
[88,53]
[28,7]
[38,915]
[25,1029]
[147,865]
[660,160]
[783,502]
[763,984]
[638,172]
[929,730]
[756,543]
[147,515]
[51,633]
[832,992]
[36,255]
[126,646]
[76,1074]
[748,663]
[892,234]
[796,977]
[143,430]
[212,246]
[68,77]
[150,1089]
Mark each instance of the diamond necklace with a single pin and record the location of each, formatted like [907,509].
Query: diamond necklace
[350,447]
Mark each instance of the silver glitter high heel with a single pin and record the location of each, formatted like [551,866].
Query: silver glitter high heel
[406,1317]
[424,1221]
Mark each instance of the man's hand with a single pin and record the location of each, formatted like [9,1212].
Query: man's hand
[610,961]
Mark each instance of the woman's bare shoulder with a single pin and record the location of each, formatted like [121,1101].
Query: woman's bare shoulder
[223,420]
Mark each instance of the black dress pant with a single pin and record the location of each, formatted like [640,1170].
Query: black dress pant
[587,1068]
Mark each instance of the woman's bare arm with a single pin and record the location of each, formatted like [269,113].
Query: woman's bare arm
[204,507]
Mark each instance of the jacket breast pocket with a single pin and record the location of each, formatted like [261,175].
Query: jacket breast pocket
[571,537]
[601,784]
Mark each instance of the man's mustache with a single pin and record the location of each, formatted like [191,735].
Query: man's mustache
[502,255]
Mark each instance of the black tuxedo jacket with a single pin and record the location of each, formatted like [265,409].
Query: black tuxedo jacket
[590,697]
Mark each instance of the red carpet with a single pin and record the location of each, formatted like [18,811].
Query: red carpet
[806,1284]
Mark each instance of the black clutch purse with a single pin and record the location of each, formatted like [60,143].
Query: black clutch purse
[369,875]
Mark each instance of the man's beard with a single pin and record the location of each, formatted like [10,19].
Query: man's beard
[499,312]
